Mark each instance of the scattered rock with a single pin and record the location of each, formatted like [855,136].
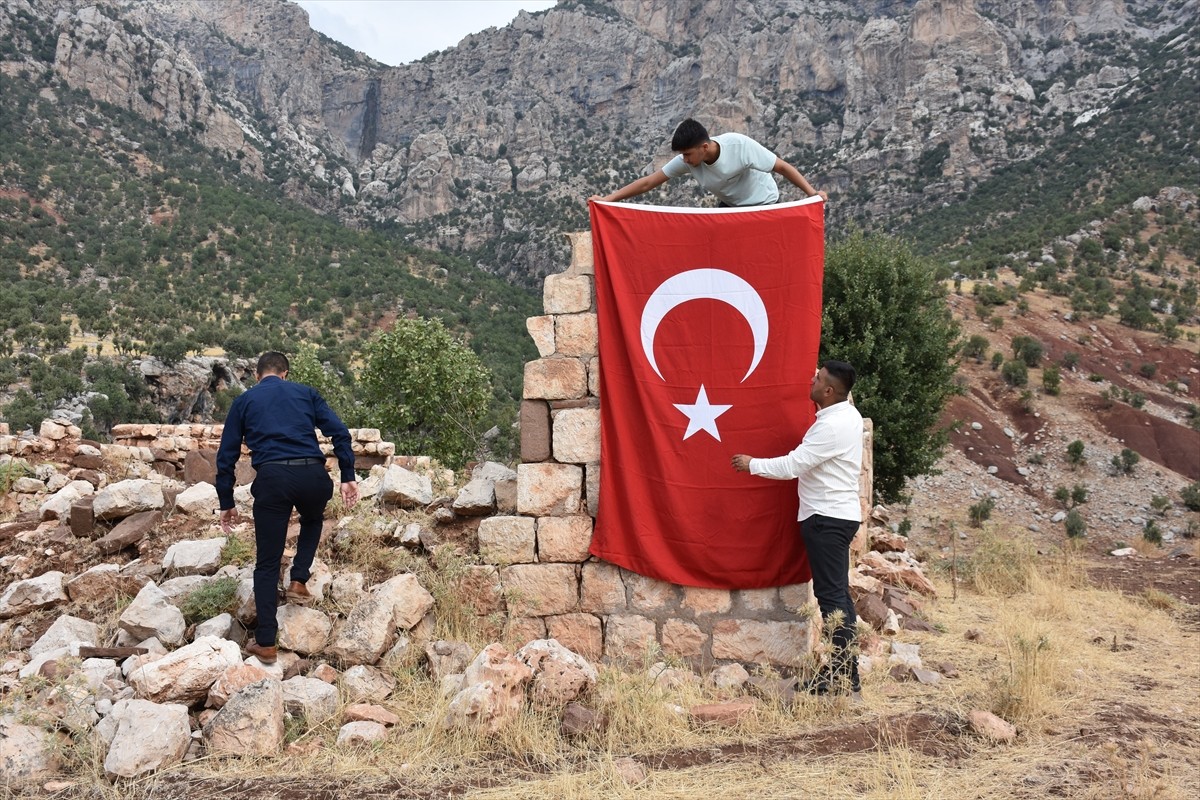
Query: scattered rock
[989,726]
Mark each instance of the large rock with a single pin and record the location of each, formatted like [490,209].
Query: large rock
[152,614]
[448,658]
[304,630]
[58,505]
[103,582]
[361,732]
[404,488]
[129,531]
[398,603]
[233,680]
[28,754]
[251,723]
[762,642]
[146,736]
[493,691]
[127,497]
[363,683]
[559,675]
[185,675]
[21,597]
[65,631]
[311,698]
[199,500]
[194,557]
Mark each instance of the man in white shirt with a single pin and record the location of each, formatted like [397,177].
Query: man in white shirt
[734,168]
[828,463]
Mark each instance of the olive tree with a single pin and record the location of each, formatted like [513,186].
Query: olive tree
[886,313]
[426,390]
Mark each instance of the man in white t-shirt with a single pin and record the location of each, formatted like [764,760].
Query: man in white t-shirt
[734,168]
[827,462]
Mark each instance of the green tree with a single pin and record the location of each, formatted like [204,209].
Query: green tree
[1051,380]
[886,314]
[306,368]
[1124,463]
[1015,373]
[1075,456]
[1076,527]
[976,348]
[426,389]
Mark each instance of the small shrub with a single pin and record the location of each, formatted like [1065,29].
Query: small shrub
[237,551]
[215,597]
[1062,496]
[1096,377]
[1124,463]
[1015,373]
[1070,360]
[997,360]
[1036,459]
[976,348]
[1148,369]
[1075,456]
[1075,526]
[1051,380]
[1160,504]
[1190,495]
[905,527]
[1152,533]
[1079,495]
[10,471]
[980,512]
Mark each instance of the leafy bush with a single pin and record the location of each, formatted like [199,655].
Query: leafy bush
[427,390]
[1051,380]
[976,348]
[1015,373]
[215,597]
[1074,524]
[1152,533]
[886,314]
[1124,463]
[980,512]
[1075,456]
[1190,495]
[1027,349]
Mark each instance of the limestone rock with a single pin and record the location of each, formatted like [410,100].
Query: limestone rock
[725,714]
[129,531]
[363,683]
[989,726]
[311,698]
[448,658]
[152,614]
[235,678]
[250,723]
[147,737]
[28,754]
[58,505]
[194,557]
[405,488]
[304,630]
[559,675]
[398,603]
[127,497]
[185,675]
[65,631]
[493,691]
[367,712]
[365,732]
[198,500]
[31,594]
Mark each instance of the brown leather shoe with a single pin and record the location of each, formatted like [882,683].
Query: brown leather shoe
[265,653]
[298,593]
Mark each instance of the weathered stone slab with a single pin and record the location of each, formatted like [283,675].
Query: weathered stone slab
[575,334]
[508,540]
[129,531]
[762,642]
[541,589]
[535,431]
[146,737]
[576,436]
[31,594]
[549,489]
[128,497]
[554,379]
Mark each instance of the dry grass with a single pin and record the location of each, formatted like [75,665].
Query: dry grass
[1101,686]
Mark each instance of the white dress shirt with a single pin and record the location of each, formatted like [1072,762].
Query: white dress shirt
[828,463]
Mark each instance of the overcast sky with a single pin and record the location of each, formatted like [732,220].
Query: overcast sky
[401,31]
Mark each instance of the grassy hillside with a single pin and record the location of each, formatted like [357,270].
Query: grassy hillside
[114,230]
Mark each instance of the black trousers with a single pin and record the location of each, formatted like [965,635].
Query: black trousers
[277,489]
[827,541]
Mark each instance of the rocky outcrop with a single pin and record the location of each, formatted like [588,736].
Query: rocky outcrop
[921,97]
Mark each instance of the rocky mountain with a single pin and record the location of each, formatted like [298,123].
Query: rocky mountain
[896,108]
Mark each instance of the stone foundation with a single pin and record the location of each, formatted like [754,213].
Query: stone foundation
[591,606]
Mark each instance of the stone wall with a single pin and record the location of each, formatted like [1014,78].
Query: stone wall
[591,606]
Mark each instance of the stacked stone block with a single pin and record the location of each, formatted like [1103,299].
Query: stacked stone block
[551,585]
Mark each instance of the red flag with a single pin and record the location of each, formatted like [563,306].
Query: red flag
[710,322]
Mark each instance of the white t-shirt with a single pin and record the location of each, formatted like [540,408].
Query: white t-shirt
[828,463]
[741,175]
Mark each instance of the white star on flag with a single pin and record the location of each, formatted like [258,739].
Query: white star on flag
[702,415]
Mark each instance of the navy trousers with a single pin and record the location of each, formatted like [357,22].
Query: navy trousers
[277,489]
[827,541]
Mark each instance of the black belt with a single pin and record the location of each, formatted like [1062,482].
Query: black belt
[297,462]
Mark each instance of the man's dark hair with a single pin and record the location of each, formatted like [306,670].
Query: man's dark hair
[689,134]
[842,372]
[273,362]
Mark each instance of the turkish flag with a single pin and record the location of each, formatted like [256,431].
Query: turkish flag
[710,323]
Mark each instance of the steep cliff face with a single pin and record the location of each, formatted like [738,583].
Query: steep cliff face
[494,144]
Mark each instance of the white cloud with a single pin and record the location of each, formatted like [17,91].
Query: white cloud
[402,31]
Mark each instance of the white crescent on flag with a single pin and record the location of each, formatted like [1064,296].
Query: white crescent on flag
[700,284]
